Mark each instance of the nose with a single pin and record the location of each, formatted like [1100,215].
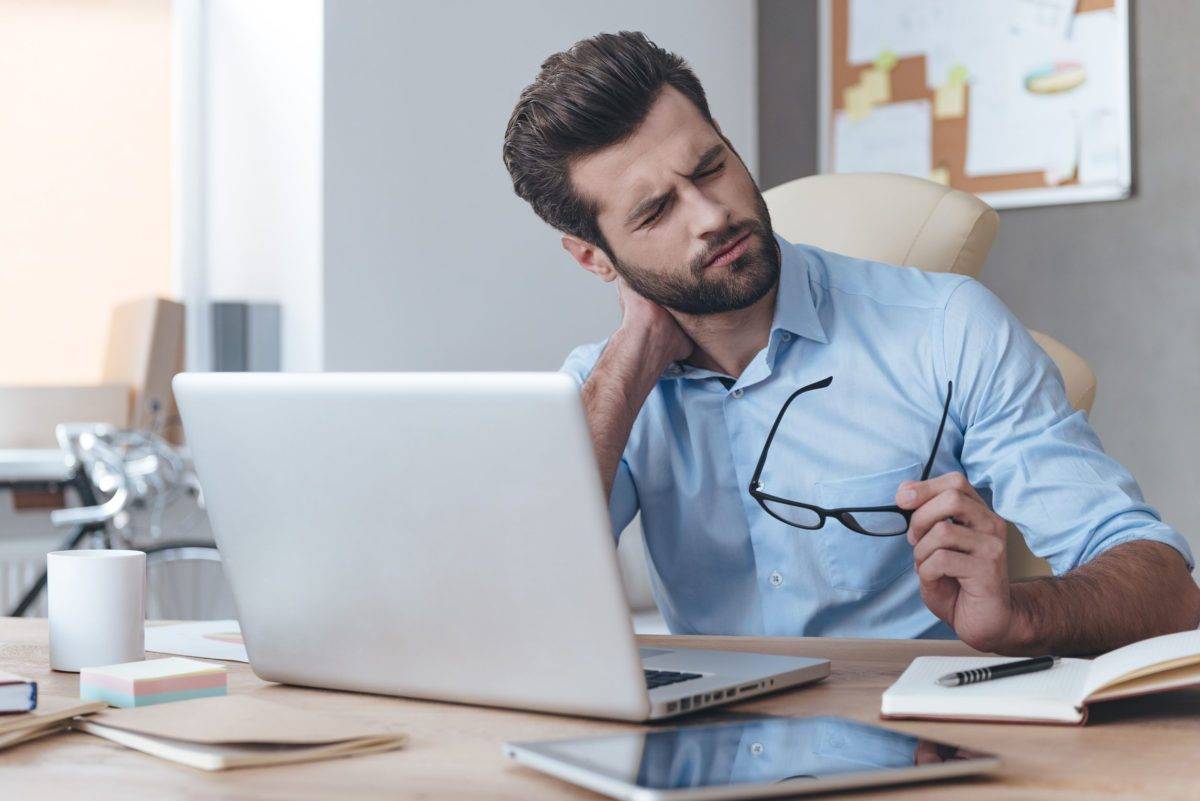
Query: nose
[709,217]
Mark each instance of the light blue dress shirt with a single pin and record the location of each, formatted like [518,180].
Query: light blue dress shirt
[891,338]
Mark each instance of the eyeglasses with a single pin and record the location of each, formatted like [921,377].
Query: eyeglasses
[874,521]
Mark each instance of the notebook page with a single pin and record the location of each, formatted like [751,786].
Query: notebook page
[1051,693]
[1137,658]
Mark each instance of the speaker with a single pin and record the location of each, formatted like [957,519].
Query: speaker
[245,337]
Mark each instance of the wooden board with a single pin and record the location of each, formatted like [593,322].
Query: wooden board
[908,83]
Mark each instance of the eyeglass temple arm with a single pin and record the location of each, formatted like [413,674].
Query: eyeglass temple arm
[937,441]
[762,457]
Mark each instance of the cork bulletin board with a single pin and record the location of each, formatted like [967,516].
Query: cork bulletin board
[1022,102]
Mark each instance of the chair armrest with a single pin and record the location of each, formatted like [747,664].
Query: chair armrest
[28,414]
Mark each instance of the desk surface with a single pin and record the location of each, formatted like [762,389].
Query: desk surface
[1136,748]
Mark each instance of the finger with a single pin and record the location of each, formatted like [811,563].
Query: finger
[949,564]
[966,510]
[947,536]
[912,494]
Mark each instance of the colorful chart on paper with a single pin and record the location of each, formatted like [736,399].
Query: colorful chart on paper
[1023,102]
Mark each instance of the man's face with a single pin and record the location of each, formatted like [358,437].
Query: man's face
[685,224]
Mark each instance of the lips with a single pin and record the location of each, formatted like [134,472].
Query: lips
[732,252]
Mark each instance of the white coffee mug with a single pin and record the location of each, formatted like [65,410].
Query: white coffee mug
[96,607]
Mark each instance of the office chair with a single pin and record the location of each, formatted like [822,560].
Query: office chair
[911,222]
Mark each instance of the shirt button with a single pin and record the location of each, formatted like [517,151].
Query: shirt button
[785,336]
[674,369]
[757,749]
[737,393]
[776,578]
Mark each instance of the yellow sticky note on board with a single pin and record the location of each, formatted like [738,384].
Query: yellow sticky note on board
[950,101]
[857,102]
[877,84]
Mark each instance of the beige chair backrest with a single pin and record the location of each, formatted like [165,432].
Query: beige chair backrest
[907,221]
[895,219]
[899,219]
[145,351]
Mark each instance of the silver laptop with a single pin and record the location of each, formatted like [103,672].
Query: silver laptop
[436,535]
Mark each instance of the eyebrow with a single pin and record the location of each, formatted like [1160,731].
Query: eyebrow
[649,204]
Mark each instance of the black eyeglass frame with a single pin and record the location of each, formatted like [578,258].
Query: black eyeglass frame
[844,515]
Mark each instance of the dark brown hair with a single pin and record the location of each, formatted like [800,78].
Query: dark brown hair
[586,98]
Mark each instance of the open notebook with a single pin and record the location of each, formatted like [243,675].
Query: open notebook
[1058,695]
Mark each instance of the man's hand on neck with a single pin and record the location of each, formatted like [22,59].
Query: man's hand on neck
[638,352]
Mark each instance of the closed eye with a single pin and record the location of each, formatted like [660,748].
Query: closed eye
[661,209]
[655,215]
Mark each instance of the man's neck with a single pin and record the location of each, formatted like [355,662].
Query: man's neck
[726,343]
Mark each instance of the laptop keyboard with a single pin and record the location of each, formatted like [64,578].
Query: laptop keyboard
[661,678]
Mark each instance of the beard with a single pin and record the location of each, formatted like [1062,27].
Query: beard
[735,286]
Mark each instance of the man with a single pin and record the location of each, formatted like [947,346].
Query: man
[613,144]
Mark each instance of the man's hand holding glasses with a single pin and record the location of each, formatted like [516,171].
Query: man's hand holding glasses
[960,557]
[958,541]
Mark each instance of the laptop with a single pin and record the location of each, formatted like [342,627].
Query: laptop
[440,536]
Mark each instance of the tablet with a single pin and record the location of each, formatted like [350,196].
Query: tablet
[754,757]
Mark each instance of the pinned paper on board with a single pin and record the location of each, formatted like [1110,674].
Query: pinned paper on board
[873,88]
[876,84]
[894,138]
[858,103]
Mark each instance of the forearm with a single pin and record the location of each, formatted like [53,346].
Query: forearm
[1135,590]
[615,391]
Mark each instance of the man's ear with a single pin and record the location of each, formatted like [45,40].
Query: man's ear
[590,257]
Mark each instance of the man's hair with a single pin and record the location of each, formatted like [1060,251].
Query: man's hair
[585,99]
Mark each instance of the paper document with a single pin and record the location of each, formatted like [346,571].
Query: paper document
[206,639]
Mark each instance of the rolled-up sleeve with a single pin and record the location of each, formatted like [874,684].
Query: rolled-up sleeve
[623,502]
[1040,459]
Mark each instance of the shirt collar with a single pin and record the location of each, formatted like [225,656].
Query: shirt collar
[795,311]
[795,307]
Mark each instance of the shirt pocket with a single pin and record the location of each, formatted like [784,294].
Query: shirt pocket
[854,561]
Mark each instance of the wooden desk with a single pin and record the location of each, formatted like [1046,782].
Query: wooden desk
[1138,748]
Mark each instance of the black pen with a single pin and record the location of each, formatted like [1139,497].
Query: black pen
[998,671]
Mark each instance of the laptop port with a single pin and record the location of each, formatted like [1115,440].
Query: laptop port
[685,704]
[717,696]
[673,706]
[696,700]
[707,697]
[747,688]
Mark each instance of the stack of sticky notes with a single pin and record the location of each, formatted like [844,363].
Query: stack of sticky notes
[153,681]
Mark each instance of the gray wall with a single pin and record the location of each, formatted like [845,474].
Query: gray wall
[1118,282]
[430,260]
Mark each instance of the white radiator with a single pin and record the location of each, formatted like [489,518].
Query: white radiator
[19,568]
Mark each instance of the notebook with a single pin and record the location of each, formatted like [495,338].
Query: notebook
[236,731]
[1058,695]
[17,694]
[52,714]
